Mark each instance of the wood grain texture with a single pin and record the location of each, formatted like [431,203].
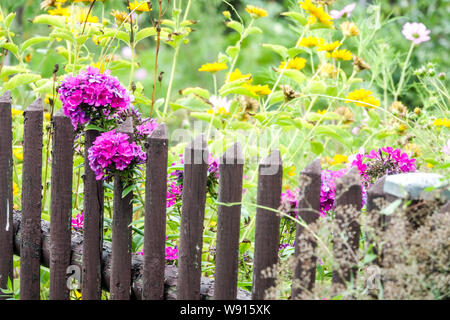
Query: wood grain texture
[155,214]
[231,169]
[61,205]
[31,201]
[192,216]
[267,230]
[6,191]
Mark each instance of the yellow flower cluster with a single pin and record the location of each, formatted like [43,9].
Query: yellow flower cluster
[329,46]
[120,16]
[310,42]
[296,63]
[139,7]
[213,67]
[256,12]
[255,89]
[317,13]
[442,122]
[339,158]
[364,97]
[343,54]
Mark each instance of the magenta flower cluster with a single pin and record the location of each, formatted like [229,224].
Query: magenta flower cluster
[78,221]
[112,152]
[92,95]
[289,202]
[328,190]
[171,253]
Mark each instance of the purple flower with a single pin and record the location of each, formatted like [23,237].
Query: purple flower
[416,32]
[92,95]
[289,202]
[78,221]
[113,152]
[346,11]
[328,190]
[171,253]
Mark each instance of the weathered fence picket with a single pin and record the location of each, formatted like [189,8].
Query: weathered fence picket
[155,214]
[267,230]
[231,170]
[120,282]
[6,192]
[61,205]
[346,229]
[31,202]
[304,274]
[93,202]
[192,216]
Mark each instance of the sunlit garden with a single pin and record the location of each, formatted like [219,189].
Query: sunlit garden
[355,90]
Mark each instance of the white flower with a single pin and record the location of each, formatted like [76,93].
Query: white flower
[220,105]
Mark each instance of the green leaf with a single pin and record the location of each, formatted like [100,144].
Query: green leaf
[63,34]
[208,118]
[121,64]
[390,209]
[197,91]
[254,30]
[241,125]
[296,16]
[9,70]
[293,52]
[94,127]
[9,19]
[127,190]
[232,51]
[316,147]
[235,26]
[192,103]
[21,79]
[313,116]
[374,118]
[10,47]
[145,33]
[317,87]
[56,21]
[44,86]
[32,41]
[336,133]
[282,51]
[82,39]
[238,90]
[295,75]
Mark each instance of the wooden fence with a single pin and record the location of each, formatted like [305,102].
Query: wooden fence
[112,266]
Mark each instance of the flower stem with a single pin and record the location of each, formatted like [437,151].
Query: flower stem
[402,77]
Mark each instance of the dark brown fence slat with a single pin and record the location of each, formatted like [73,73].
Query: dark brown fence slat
[304,274]
[231,171]
[267,232]
[31,202]
[346,229]
[155,214]
[192,216]
[61,205]
[92,227]
[120,282]
[6,192]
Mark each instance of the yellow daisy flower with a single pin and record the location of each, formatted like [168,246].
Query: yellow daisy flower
[292,171]
[349,29]
[18,154]
[310,42]
[16,112]
[328,70]
[339,158]
[120,16]
[140,7]
[365,97]
[343,54]
[442,122]
[15,189]
[317,12]
[213,67]
[237,75]
[258,89]
[59,11]
[329,46]
[296,63]
[256,12]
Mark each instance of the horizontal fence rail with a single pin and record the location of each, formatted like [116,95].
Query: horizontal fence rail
[113,266]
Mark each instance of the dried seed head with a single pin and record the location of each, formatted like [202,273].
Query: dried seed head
[359,64]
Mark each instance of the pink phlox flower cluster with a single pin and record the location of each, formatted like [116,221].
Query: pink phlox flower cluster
[78,221]
[328,190]
[213,166]
[146,128]
[90,94]
[173,193]
[112,151]
[289,202]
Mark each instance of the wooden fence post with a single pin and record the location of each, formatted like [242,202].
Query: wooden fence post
[92,227]
[346,229]
[31,202]
[6,192]
[231,171]
[192,216]
[120,282]
[155,214]
[61,205]
[267,232]
[304,274]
